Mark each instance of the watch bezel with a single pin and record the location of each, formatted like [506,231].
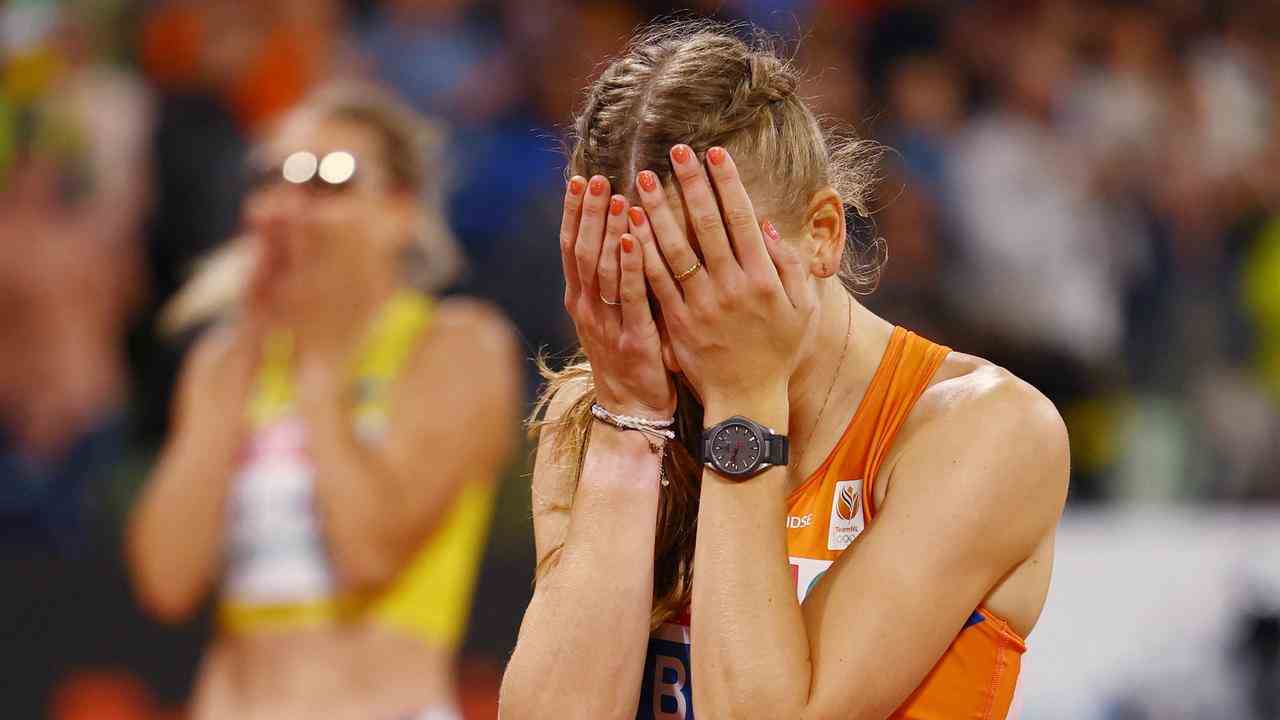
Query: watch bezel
[761,435]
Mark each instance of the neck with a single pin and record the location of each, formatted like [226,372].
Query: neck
[825,389]
[335,326]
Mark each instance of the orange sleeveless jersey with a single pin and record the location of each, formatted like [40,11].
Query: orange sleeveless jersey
[975,678]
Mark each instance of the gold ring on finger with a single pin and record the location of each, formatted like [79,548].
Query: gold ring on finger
[697,265]
[610,303]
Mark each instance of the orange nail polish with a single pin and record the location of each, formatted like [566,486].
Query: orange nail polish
[648,181]
[575,187]
[716,155]
[596,185]
[771,231]
[680,154]
[637,217]
[616,205]
[628,244]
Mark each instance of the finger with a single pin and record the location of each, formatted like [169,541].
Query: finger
[655,270]
[669,235]
[569,234]
[739,214]
[591,232]
[607,269]
[636,315]
[704,211]
[791,269]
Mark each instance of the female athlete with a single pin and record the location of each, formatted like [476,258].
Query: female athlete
[336,438]
[851,521]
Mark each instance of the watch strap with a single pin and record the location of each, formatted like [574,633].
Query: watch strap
[778,451]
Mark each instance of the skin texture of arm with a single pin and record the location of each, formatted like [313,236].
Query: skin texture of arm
[175,535]
[452,418]
[978,490]
[581,648]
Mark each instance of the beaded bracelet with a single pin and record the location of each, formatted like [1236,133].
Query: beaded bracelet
[650,429]
[630,422]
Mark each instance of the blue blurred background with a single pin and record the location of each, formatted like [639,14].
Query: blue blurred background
[1084,192]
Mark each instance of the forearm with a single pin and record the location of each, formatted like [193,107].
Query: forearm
[750,650]
[364,513]
[177,530]
[585,632]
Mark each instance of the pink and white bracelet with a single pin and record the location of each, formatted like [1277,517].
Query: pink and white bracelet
[652,429]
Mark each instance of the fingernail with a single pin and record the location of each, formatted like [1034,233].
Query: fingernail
[716,155]
[637,217]
[575,187]
[680,154]
[596,185]
[628,244]
[616,205]
[771,231]
[648,181]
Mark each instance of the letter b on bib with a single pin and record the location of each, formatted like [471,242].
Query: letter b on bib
[666,693]
[669,680]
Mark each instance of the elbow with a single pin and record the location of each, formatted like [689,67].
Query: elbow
[163,599]
[160,593]
[167,607]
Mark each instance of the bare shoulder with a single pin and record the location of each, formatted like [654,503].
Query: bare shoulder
[968,387]
[980,412]
[474,322]
[472,341]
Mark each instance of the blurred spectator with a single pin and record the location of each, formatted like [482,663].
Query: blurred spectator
[1041,271]
[518,161]
[444,56]
[73,192]
[259,58]
[292,486]
[225,70]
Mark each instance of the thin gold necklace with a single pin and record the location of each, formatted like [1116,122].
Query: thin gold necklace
[848,333]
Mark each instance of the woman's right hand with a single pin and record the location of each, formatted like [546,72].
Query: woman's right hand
[622,342]
[217,379]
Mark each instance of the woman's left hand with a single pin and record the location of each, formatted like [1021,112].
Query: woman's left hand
[738,325]
[323,389]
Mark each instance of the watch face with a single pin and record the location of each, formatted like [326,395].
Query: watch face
[736,449]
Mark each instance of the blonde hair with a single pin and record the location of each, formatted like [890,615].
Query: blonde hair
[413,150]
[698,83]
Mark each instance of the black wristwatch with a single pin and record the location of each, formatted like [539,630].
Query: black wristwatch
[738,448]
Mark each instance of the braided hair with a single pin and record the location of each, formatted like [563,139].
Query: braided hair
[701,84]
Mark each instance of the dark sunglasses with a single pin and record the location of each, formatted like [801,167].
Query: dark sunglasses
[333,173]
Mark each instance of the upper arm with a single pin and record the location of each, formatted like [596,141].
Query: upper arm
[974,494]
[455,409]
[555,477]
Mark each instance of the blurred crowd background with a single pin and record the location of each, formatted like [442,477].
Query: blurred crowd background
[1082,191]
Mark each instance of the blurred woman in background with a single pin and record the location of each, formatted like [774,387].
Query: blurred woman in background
[336,436]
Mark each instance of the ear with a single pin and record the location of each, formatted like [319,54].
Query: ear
[825,228]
